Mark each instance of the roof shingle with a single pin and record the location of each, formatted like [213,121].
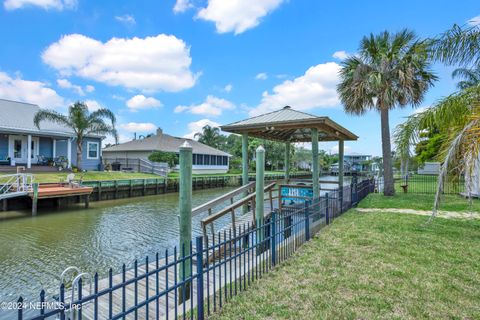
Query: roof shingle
[166,143]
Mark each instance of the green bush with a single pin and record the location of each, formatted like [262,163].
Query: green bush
[161,156]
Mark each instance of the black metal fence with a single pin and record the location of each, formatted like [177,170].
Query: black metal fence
[427,184]
[197,280]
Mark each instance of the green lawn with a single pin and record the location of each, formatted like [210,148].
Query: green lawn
[419,202]
[374,266]
[91,175]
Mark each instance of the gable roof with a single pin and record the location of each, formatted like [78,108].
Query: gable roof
[290,125]
[17,117]
[166,143]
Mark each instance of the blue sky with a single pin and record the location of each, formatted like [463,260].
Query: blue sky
[181,64]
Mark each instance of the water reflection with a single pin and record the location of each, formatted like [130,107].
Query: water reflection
[35,250]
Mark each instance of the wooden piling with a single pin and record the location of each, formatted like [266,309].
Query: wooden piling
[185,207]
[35,199]
[115,183]
[99,190]
[259,190]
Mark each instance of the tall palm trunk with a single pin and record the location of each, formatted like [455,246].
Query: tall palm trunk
[389,188]
[79,154]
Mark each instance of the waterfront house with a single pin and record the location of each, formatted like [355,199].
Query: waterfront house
[205,158]
[429,168]
[23,144]
[355,162]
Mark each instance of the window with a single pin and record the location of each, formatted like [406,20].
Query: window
[207,159]
[17,149]
[92,150]
[200,159]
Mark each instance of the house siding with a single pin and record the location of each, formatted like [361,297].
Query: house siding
[110,156]
[61,148]
[45,147]
[87,164]
[3,146]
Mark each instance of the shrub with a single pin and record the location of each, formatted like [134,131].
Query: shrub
[161,156]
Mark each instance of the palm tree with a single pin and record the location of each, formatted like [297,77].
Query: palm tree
[391,70]
[457,116]
[210,136]
[471,77]
[82,122]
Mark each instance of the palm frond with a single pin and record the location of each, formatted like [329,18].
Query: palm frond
[53,116]
[103,113]
[458,46]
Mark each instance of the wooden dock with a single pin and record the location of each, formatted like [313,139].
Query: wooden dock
[55,190]
[219,280]
[58,190]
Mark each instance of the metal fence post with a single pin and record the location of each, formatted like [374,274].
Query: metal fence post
[355,194]
[273,232]
[307,221]
[200,293]
[327,213]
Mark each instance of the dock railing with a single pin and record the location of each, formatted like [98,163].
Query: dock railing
[15,185]
[153,289]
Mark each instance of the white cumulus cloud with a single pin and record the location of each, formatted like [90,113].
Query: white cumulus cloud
[228,88]
[212,106]
[140,102]
[340,55]
[334,149]
[154,63]
[93,105]
[315,89]
[44,4]
[197,126]
[65,84]
[182,6]
[237,16]
[126,19]
[138,127]
[89,88]
[261,76]
[475,21]
[35,92]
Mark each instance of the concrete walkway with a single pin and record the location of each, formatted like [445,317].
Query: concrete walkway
[440,214]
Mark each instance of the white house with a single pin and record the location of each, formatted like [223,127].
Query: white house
[205,158]
[429,168]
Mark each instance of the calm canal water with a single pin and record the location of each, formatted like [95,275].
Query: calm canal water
[35,250]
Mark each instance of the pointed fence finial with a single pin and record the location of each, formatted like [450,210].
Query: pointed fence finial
[260,148]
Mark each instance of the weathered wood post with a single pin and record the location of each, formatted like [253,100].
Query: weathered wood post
[259,193]
[245,165]
[185,207]
[35,198]
[315,173]
[287,161]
